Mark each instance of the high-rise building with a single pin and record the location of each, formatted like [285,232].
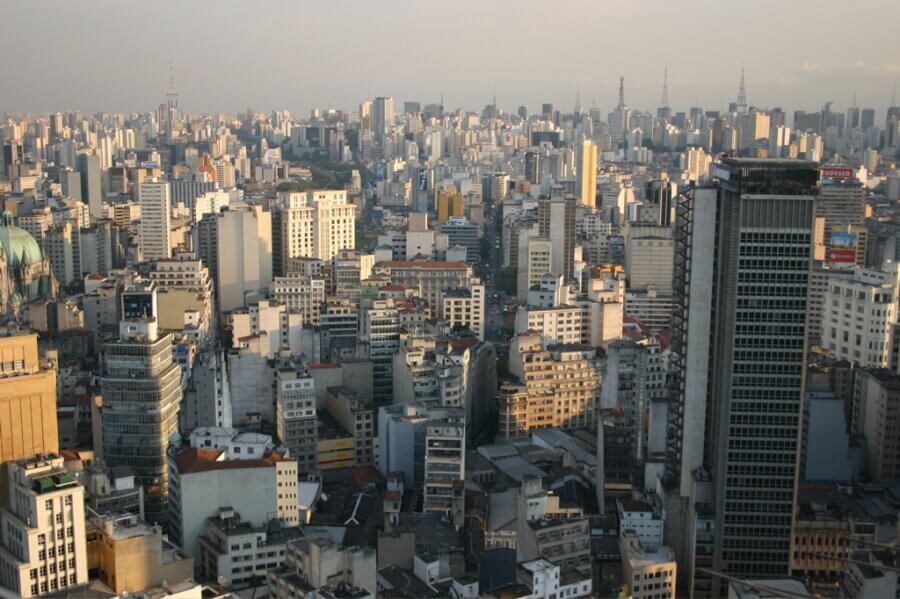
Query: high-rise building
[315,224]
[236,245]
[27,401]
[533,167]
[450,203]
[155,198]
[70,180]
[556,222]
[43,548]
[382,116]
[742,263]
[295,415]
[662,193]
[445,465]
[876,403]
[859,313]
[91,183]
[841,203]
[141,388]
[587,173]
[61,246]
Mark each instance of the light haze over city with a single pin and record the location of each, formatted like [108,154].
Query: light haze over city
[228,55]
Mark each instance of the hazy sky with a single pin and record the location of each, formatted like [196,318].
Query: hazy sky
[295,54]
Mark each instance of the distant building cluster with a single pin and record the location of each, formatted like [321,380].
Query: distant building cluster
[411,351]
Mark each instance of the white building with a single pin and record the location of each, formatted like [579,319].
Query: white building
[445,465]
[648,574]
[316,224]
[155,199]
[232,551]
[236,445]
[300,293]
[203,480]
[547,581]
[643,520]
[464,307]
[42,541]
[858,314]
[236,245]
[280,327]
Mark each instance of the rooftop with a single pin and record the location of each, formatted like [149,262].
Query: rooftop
[193,460]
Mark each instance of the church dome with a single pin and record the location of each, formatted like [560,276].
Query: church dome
[19,246]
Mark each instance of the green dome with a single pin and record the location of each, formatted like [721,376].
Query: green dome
[19,246]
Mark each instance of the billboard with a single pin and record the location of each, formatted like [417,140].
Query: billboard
[843,248]
[836,173]
[843,240]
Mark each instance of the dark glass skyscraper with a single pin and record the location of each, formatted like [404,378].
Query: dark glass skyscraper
[743,253]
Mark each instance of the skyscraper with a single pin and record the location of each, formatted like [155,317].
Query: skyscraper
[383,116]
[91,190]
[587,173]
[533,167]
[155,197]
[556,222]
[841,202]
[742,260]
[236,244]
[141,388]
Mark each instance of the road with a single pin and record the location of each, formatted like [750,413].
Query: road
[489,271]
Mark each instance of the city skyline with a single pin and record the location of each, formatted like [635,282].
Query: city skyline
[356,57]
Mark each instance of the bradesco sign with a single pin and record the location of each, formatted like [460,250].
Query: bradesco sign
[836,173]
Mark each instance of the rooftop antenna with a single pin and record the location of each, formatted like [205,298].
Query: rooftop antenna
[577,100]
[621,92]
[665,93]
[742,93]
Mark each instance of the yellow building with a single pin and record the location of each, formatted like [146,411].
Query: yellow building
[27,402]
[450,203]
[131,556]
[335,448]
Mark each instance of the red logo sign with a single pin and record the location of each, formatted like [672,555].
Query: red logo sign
[842,256]
[836,173]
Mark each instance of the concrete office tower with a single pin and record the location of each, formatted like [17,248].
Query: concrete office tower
[876,398]
[141,388]
[742,262]
[540,262]
[236,245]
[587,173]
[556,222]
[27,401]
[445,466]
[61,244]
[696,163]
[382,116]
[662,193]
[43,548]
[365,116]
[71,183]
[295,415]
[841,202]
[91,183]
[155,198]
[649,253]
[533,167]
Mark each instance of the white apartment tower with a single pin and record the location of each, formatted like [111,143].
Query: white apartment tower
[155,198]
[316,224]
[42,540]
